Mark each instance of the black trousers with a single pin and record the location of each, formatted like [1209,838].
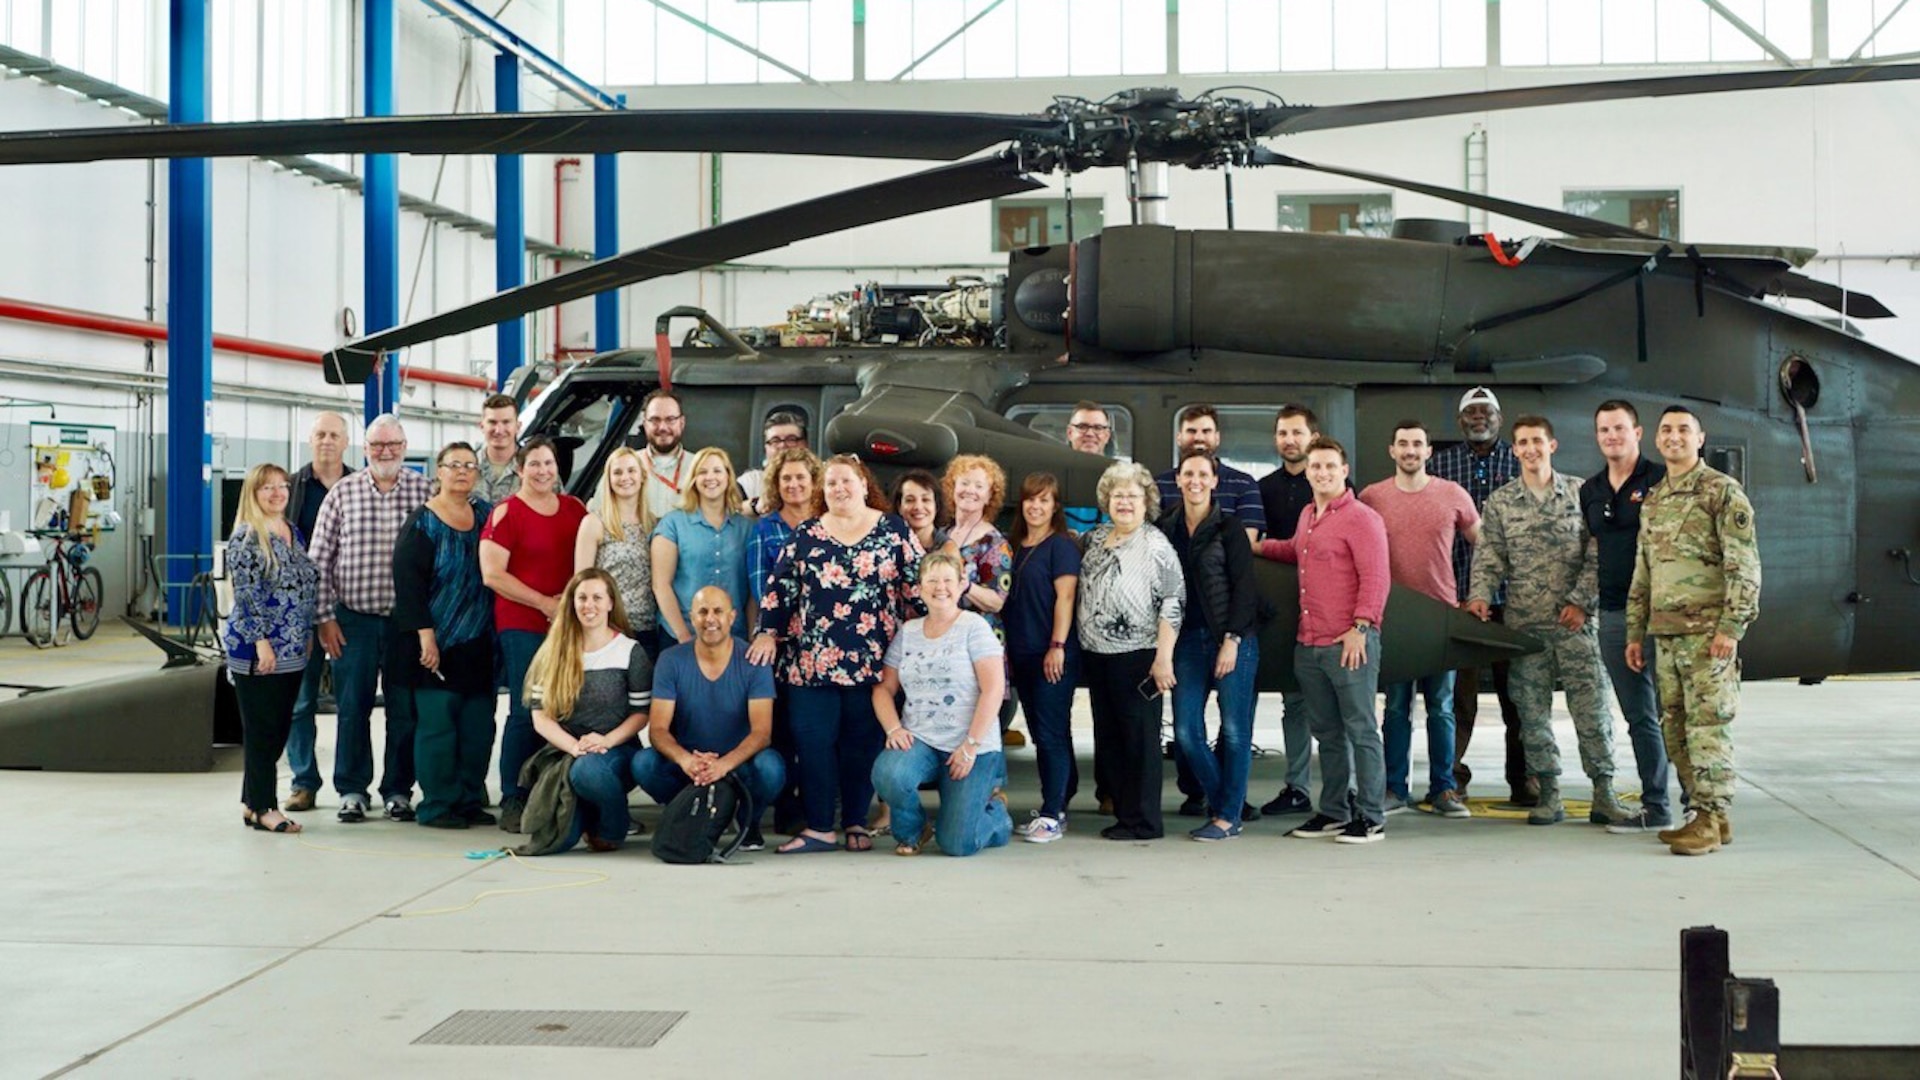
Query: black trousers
[1466,708]
[1126,737]
[266,716]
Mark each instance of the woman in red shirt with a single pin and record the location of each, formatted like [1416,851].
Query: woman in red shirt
[526,558]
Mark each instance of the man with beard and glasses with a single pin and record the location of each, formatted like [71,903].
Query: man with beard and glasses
[667,462]
[1482,464]
[1089,430]
[353,542]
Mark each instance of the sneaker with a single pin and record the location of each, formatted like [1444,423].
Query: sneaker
[1640,821]
[1319,827]
[399,808]
[1249,812]
[353,809]
[1210,832]
[1194,806]
[1291,800]
[510,810]
[1395,804]
[1026,827]
[1045,830]
[1362,831]
[299,799]
[1449,804]
[754,841]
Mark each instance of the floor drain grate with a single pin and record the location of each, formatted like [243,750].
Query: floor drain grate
[551,1027]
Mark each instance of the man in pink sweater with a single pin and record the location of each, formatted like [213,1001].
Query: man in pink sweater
[1341,548]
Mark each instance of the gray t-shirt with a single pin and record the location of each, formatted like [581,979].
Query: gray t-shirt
[937,674]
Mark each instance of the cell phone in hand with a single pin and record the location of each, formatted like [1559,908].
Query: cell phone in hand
[1148,688]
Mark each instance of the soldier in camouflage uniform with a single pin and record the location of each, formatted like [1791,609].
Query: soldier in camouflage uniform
[1696,589]
[1534,541]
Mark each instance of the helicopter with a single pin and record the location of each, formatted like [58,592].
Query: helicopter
[1146,318]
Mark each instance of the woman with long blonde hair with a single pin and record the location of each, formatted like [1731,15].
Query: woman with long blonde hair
[269,634]
[703,543]
[589,688]
[617,536]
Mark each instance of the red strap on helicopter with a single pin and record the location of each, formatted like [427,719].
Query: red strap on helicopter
[1499,253]
[663,359]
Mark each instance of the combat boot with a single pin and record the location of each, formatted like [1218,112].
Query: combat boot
[1726,828]
[1549,810]
[1701,836]
[1668,836]
[1606,805]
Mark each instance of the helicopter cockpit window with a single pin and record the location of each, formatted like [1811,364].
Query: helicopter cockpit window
[584,424]
[1051,421]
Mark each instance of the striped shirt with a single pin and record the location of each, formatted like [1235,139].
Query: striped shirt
[1481,475]
[618,683]
[353,541]
[1126,591]
[1237,493]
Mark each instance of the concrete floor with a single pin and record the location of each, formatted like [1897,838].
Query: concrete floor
[141,934]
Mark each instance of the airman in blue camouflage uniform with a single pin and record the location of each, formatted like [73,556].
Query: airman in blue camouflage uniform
[1534,541]
[1696,589]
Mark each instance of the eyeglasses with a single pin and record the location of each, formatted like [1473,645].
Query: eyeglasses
[786,440]
[386,444]
[461,466]
[1091,428]
[664,421]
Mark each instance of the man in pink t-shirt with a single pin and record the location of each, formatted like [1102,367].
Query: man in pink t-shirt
[1423,514]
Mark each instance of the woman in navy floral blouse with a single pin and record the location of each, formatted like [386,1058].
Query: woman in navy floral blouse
[269,634]
[837,596]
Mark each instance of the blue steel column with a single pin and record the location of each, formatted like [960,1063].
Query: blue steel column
[189,315]
[382,199]
[510,224]
[606,244]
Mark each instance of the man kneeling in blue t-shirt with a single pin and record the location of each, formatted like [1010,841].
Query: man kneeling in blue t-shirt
[712,715]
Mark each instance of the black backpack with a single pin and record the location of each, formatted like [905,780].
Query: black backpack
[694,823]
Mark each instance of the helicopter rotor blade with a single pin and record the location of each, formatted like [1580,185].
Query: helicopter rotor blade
[1571,224]
[1293,119]
[877,133]
[932,189]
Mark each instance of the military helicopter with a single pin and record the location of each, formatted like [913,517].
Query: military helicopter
[1147,318]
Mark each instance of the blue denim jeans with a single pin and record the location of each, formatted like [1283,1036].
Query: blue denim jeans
[763,773]
[600,784]
[837,737]
[970,820]
[356,673]
[1223,776]
[1340,710]
[300,739]
[1396,729]
[1049,709]
[1639,702]
[518,740]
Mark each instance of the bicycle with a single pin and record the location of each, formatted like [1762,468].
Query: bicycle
[76,586]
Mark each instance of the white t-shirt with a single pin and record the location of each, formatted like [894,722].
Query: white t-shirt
[937,674]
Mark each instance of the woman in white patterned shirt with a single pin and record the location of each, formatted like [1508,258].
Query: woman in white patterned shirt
[1131,597]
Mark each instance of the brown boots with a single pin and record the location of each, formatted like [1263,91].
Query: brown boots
[1704,833]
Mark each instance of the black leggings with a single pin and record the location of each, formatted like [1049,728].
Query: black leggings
[266,715]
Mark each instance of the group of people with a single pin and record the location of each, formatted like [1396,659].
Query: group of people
[837,648]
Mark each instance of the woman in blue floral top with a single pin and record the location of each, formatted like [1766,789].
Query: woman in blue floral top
[837,597]
[269,634]
[976,488]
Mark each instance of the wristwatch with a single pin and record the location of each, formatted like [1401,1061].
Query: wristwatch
[1056,644]
[1231,639]
[1363,624]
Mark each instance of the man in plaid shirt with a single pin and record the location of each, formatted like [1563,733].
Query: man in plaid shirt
[1482,464]
[352,546]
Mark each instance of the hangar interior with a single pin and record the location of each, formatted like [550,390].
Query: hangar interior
[84,392]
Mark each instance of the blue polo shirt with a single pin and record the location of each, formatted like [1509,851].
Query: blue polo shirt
[1237,494]
[710,714]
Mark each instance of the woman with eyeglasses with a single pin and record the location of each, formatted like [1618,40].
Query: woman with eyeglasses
[269,635]
[783,431]
[1132,598]
[618,537]
[526,558]
[839,594]
[442,644]
[702,543]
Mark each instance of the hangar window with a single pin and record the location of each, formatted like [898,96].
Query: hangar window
[1649,211]
[1050,420]
[1349,213]
[1025,223]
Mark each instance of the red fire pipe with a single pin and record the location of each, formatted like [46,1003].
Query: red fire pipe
[48,315]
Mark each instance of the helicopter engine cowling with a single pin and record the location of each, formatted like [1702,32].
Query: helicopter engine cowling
[1152,289]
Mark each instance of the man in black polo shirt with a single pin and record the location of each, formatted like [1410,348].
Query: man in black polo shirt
[1284,492]
[1610,502]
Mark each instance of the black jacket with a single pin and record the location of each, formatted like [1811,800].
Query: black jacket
[301,484]
[1219,569]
